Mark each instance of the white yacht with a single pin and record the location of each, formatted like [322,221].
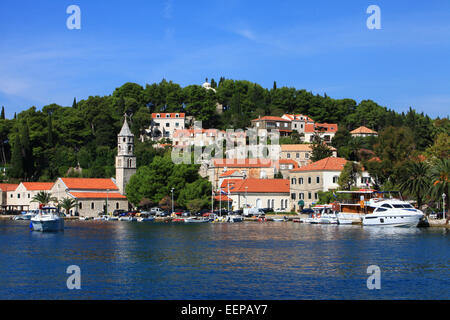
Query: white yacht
[48,219]
[323,214]
[26,215]
[393,213]
[234,218]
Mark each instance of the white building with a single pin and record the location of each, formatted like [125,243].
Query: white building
[258,193]
[163,125]
[323,175]
[22,197]
[363,132]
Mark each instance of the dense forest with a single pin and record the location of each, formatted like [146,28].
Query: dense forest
[40,145]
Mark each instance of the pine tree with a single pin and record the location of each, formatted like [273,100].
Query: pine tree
[274,85]
[2,116]
[74,104]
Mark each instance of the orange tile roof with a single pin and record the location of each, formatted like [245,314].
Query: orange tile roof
[363,130]
[271,118]
[298,117]
[37,186]
[329,127]
[261,186]
[171,115]
[89,184]
[243,163]
[327,164]
[97,195]
[296,147]
[222,198]
[287,161]
[8,187]
[228,173]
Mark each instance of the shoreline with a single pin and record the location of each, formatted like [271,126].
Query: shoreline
[432,222]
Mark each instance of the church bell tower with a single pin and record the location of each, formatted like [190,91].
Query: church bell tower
[125,160]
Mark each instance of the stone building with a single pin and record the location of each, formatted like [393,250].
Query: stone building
[21,198]
[125,160]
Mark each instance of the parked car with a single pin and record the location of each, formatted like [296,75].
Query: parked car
[117,212]
[156,210]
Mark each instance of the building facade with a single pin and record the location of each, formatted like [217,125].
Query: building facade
[163,125]
[22,197]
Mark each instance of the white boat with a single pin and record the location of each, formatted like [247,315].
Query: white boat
[392,213]
[195,220]
[127,218]
[48,220]
[86,218]
[26,215]
[323,214]
[111,218]
[234,218]
[146,219]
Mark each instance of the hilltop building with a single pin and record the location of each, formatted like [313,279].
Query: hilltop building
[163,125]
[363,132]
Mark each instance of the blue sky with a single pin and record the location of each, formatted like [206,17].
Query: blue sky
[321,46]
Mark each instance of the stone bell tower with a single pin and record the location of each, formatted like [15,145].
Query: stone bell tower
[125,160]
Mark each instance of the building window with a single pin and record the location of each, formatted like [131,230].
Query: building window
[117,205]
[268,203]
[309,180]
[29,196]
[309,195]
[293,196]
[301,196]
[92,206]
[18,196]
[177,124]
[317,179]
[167,125]
[307,155]
[158,115]
[335,179]
[288,155]
[316,196]
[80,205]
[11,195]
[297,155]
[177,115]
[273,203]
[300,181]
[294,181]
[168,115]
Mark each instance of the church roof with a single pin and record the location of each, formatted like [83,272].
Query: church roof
[125,132]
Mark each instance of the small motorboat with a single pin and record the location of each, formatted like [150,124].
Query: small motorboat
[48,219]
[234,219]
[111,218]
[146,219]
[26,215]
[86,218]
[195,220]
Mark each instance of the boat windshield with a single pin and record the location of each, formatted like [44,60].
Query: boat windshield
[408,206]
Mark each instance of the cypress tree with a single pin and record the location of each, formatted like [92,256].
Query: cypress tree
[17,160]
[2,116]
[74,104]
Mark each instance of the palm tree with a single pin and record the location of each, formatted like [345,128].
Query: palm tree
[67,204]
[44,198]
[440,184]
[417,181]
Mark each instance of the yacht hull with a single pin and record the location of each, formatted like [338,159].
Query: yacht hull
[48,225]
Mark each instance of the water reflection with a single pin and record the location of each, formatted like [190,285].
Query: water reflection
[123,260]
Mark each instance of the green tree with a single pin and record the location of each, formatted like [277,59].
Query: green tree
[417,181]
[67,204]
[440,180]
[319,149]
[44,198]
[349,175]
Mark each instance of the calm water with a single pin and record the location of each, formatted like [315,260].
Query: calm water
[123,260]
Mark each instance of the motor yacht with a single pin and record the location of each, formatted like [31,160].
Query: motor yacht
[48,219]
[393,213]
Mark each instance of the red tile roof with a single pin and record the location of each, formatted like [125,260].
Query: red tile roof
[222,197]
[8,187]
[287,161]
[298,117]
[327,164]
[243,163]
[363,130]
[321,127]
[171,115]
[228,173]
[260,186]
[38,186]
[97,195]
[271,118]
[89,184]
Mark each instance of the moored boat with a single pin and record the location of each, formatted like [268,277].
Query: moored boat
[48,219]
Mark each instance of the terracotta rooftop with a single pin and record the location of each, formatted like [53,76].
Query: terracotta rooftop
[261,186]
[97,195]
[298,117]
[271,118]
[8,187]
[38,186]
[363,130]
[306,147]
[327,164]
[222,197]
[287,161]
[325,127]
[89,184]
[243,163]
[228,173]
